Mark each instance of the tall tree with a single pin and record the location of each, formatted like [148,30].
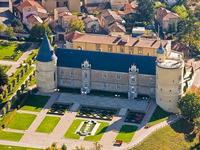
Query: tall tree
[190,106]
[39,30]
[76,25]
[145,11]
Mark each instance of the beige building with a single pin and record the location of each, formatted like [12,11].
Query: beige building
[159,76]
[50,5]
[116,44]
[167,19]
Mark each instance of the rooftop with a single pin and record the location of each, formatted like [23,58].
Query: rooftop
[170,63]
[106,61]
[115,40]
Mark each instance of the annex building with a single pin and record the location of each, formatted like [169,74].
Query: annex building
[159,75]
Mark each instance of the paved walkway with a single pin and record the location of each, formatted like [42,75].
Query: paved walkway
[15,64]
[43,140]
[100,101]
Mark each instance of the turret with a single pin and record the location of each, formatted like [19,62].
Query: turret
[46,67]
[169,81]
[161,53]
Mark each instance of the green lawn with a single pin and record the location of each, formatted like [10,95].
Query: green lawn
[7,147]
[158,116]
[35,103]
[12,50]
[48,124]
[10,136]
[21,121]
[72,129]
[174,137]
[99,133]
[126,133]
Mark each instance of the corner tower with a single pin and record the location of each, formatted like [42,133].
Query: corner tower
[169,80]
[46,67]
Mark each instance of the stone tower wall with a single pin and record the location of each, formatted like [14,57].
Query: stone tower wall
[46,76]
[169,87]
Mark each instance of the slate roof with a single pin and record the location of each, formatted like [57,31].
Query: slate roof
[106,61]
[45,53]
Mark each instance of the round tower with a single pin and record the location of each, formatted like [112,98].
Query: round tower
[46,67]
[169,81]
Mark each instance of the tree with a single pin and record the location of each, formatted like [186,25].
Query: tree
[181,11]
[17,25]
[188,33]
[76,25]
[2,28]
[189,106]
[39,30]
[145,11]
[3,77]
[10,32]
[197,127]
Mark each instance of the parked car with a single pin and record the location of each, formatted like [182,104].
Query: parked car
[118,143]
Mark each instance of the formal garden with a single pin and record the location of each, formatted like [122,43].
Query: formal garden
[96,113]
[59,109]
[12,50]
[73,132]
[134,117]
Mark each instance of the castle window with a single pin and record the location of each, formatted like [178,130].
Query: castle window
[57,4]
[110,49]
[161,89]
[140,51]
[98,47]
[105,85]
[122,49]
[80,48]
[54,76]
[170,90]
[85,75]
[118,76]
[105,76]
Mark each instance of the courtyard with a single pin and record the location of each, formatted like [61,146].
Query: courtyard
[64,117]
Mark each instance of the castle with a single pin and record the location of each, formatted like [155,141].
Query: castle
[159,76]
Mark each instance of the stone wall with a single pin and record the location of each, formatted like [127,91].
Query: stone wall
[105,80]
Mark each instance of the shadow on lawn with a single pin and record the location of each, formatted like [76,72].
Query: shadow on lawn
[185,127]
[112,127]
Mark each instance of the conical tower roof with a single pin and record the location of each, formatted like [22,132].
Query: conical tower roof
[45,52]
[161,49]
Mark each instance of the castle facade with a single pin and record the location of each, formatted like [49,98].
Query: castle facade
[160,76]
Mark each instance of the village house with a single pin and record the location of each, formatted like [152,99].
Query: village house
[92,24]
[112,23]
[30,13]
[50,5]
[167,19]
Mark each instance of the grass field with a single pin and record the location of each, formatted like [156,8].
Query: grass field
[99,133]
[72,129]
[48,124]
[35,103]
[126,133]
[21,121]
[174,137]
[10,136]
[158,116]
[7,147]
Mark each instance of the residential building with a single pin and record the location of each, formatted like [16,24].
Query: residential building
[50,5]
[116,44]
[167,19]
[31,13]
[92,24]
[111,22]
